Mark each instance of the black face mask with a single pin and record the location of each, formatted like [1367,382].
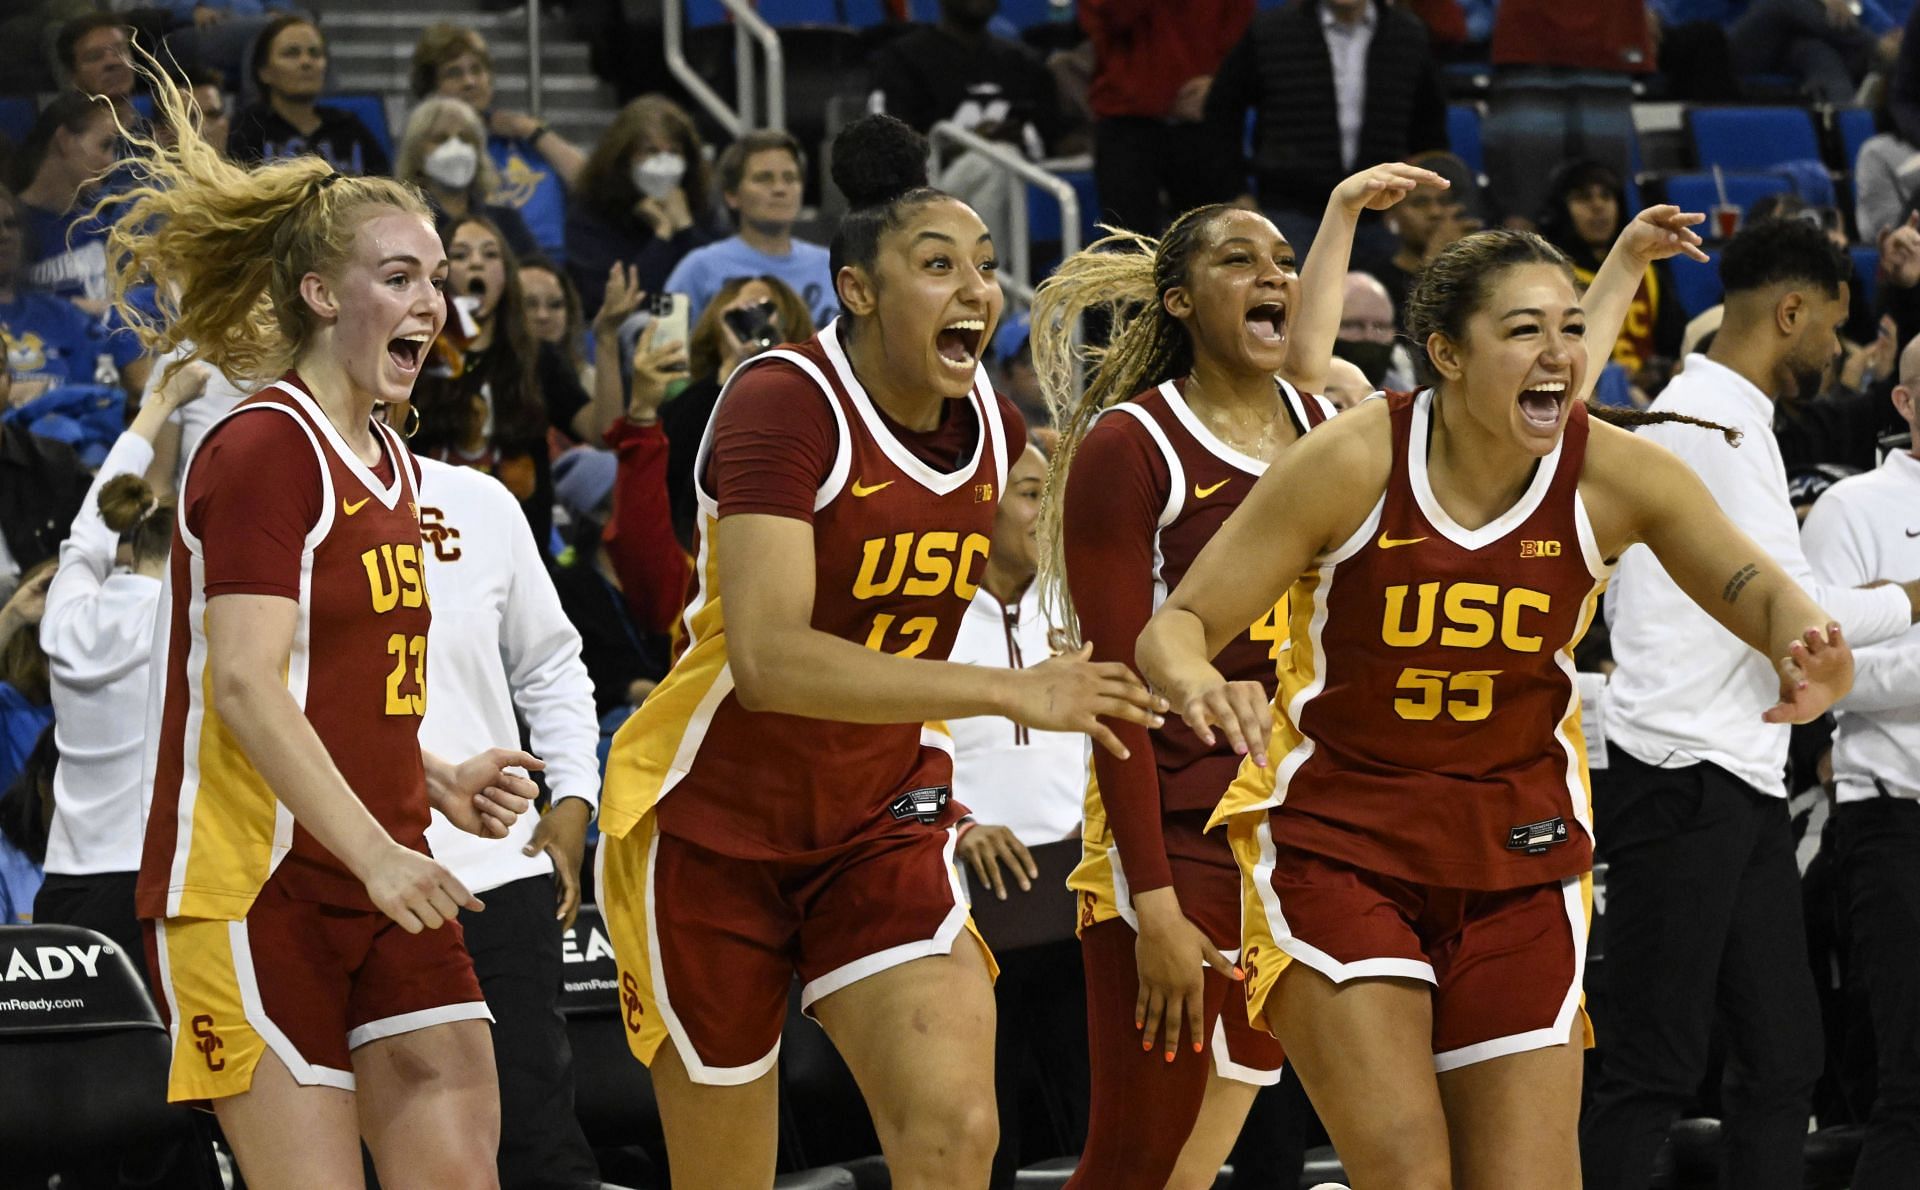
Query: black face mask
[1373,359]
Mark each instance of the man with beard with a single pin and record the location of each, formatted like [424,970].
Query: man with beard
[1704,905]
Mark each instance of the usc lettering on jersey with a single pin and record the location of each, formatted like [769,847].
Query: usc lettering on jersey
[357,669]
[1427,724]
[899,550]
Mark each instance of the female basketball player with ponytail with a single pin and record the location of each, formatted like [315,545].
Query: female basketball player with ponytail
[780,802]
[304,942]
[1211,325]
[1412,819]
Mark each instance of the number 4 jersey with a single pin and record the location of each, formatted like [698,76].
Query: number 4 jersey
[275,503]
[899,547]
[1427,724]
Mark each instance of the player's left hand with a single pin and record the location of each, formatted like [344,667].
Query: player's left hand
[1817,673]
[562,833]
[986,849]
[1662,231]
[1381,186]
[483,798]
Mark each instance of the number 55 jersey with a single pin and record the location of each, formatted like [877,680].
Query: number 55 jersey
[1427,724]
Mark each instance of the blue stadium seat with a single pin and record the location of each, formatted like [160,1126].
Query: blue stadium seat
[1043,215]
[705,12]
[1696,285]
[1697,192]
[372,111]
[1866,267]
[1856,126]
[17,114]
[1463,135]
[1751,138]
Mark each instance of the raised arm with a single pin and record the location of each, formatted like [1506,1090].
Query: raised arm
[1654,234]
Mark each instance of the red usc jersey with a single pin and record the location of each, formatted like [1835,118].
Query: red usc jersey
[215,831]
[899,550]
[1428,723]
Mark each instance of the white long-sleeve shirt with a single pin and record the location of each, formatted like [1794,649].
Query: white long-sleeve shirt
[98,637]
[1686,690]
[499,641]
[197,416]
[1032,782]
[1867,528]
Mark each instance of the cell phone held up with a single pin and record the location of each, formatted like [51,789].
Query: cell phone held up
[754,325]
[670,319]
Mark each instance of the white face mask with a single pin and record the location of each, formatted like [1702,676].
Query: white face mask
[656,176]
[453,164]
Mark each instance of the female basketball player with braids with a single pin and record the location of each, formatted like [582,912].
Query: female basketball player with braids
[780,802]
[1414,835]
[1210,325]
[305,943]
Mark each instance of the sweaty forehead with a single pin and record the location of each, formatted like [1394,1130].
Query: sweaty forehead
[1536,286]
[388,231]
[944,216]
[1249,225]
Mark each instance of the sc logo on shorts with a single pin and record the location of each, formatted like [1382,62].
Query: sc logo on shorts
[630,1002]
[209,1042]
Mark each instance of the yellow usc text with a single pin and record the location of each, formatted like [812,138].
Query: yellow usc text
[921,566]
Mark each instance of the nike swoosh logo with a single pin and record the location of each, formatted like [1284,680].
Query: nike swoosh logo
[861,490]
[1913,532]
[352,506]
[1200,493]
[1387,543]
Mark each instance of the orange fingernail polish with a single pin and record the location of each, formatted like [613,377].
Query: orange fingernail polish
[1169,1055]
[1196,1047]
[1146,1047]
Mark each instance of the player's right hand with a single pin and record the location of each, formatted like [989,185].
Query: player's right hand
[1172,955]
[416,891]
[1073,693]
[1241,710]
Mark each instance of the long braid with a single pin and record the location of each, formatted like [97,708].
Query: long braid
[1124,274]
[1630,418]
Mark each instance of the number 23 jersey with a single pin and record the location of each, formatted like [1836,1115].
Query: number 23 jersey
[899,548]
[1427,724]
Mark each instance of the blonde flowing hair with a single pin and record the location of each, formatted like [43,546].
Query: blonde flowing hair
[1126,276]
[224,247]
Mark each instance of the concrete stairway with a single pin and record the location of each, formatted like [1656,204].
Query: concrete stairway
[372,46]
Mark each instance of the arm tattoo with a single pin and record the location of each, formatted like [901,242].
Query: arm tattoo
[1739,581]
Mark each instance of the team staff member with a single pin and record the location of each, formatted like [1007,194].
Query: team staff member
[777,804]
[1863,528]
[1698,812]
[1413,838]
[501,651]
[1222,314]
[294,913]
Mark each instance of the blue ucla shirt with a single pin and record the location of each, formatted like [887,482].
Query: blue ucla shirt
[529,186]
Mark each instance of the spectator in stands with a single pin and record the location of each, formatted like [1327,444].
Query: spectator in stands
[289,68]
[442,152]
[26,808]
[1886,183]
[1023,788]
[25,714]
[1346,384]
[1153,156]
[537,166]
[645,198]
[1425,223]
[554,314]
[761,178]
[1331,83]
[747,316]
[98,635]
[94,52]
[1698,815]
[1369,335]
[50,342]
[490,392]
[1585,210]
[1903,83]
[1013,375]
[1827,45]
[71,149]
[215,34]
[1562,89]
[41,487]
[206,90]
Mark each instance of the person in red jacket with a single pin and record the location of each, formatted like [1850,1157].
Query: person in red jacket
[1153,64]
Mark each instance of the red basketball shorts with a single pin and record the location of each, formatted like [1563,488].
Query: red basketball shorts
[1505,966]
[708,944]
[311,982]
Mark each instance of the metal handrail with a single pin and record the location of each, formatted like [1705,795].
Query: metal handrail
[533,58]
[748,27]
[1019,246]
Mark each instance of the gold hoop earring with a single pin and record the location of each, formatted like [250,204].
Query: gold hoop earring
[413,422]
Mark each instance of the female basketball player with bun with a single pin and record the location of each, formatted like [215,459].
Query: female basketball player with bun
[1210,324]
[305,944]
[1414,835]
[780,802]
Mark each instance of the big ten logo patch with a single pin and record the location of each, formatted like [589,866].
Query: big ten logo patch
[1475,615]
[207,1041]
[1539,549]
[393,576]
[632,1011]
[441,537]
